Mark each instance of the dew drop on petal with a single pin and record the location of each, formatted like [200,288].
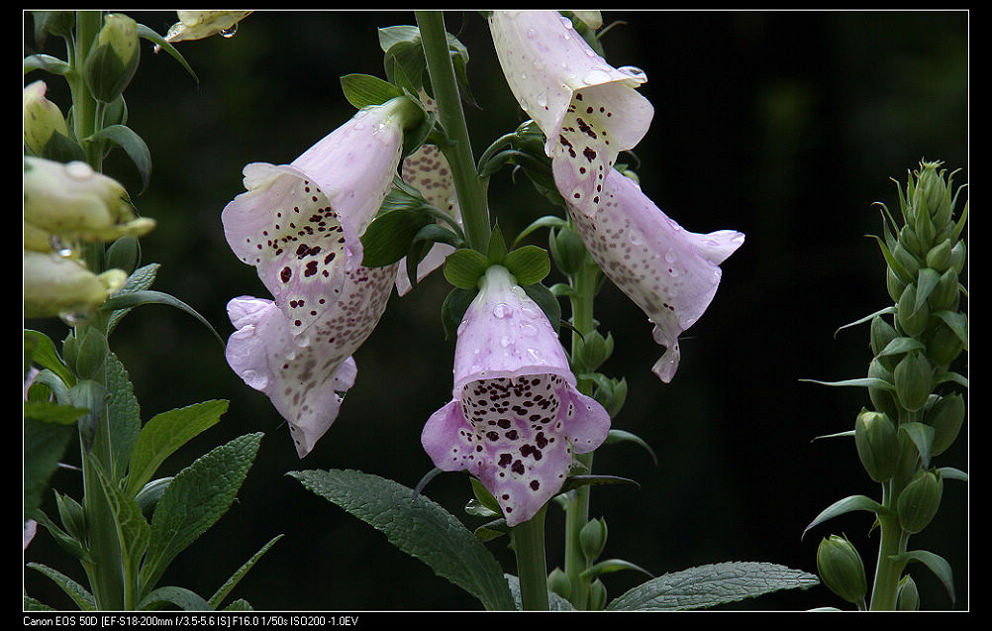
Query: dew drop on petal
[502,310]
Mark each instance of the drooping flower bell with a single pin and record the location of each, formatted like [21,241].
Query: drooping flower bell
[300,225]
[670,273]
[588,110]
[515,417]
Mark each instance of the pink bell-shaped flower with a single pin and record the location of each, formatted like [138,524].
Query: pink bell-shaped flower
[670,273]
[588,110]
[300,225]
[515,417]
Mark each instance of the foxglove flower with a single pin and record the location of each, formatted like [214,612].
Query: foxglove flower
[300,225]
[588,110]
[515,417]
[670,273]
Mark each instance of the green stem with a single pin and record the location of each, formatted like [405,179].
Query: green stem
[469,188]
[532,570]
[577,512]
[892,542]
[84,108]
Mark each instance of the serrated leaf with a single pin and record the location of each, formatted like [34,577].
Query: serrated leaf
[164,433]
[710,585]
[185,599]
[79,595]
[529,264]
[418,527]
[133,145]
[846,505]
[123,412]
[232,582]
[195,499]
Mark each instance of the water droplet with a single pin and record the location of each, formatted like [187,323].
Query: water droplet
[78,170]
[74,318]
[255,379]
[505,341]
[595,77]
[229,32]
[670,256]
[502,310]
[531,33]
[302,340]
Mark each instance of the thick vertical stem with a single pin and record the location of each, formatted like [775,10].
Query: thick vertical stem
[468,186]
[532,570]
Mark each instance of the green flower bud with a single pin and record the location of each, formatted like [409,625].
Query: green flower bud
[592,538]
[883,400]
[946,295]
[912,323]
[124,253]
[591,351]
[113,59]
[945,417]
[91,354]
[956,261]
[559,583]
[74,202]
[911,242]
[908,597]
[919,501]
[939,255]
[597,595]
[906,258]
[881,334]
[56,285]
[931,195]
[42,118]
[943,344]
[841,569]
[877,444]
[567,249]
[894,284]
[913,379]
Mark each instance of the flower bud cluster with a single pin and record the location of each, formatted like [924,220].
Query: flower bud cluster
[914,419]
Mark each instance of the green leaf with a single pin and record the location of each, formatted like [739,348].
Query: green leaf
[79,595]
[195,499]
[922,436]
[362,90]
[952,473]
[612,565]
[898,268]
[47,63]
[463,268]
[133,145]
[529,264]
[621,436]
[152,36]
[709,585]
[958,323]
[927,279]
[847,505]
[232,582]
[124,415]
[164,433]
[44,445]
[133,532]
[51,412]
[576,481]
[387,239]
[864,382]
[548,221]
[418,527]
[148,297]
[935,563]
[181,597]
[39,349]
[139,279]
[900,345]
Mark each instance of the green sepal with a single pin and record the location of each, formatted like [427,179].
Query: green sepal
[547,301]
[362,90]
[39,349]
[389,237]
[465,267]
[67,542]
[528,264]
[922,436]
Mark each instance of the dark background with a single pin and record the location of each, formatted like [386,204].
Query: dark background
[786,126]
